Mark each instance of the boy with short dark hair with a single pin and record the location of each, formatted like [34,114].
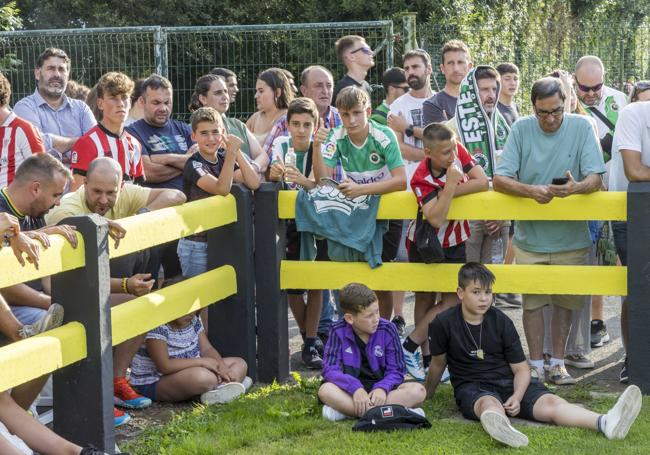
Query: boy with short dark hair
[363,365]
[509,73]
[491,377]
[395,85]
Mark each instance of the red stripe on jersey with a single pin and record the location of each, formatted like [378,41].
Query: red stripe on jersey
[19,140]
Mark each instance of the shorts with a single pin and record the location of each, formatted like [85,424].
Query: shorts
[572,257]
[293,250]
[619,229]
[453,254]
[467,395]
[147,390]
[391,241]
[27,315]
[193,257]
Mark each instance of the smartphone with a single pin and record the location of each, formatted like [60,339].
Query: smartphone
[560,180]
[329,182]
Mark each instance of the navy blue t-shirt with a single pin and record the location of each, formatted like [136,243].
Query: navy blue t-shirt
[174,137]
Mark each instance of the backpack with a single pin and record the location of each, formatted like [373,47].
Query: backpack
[390,417]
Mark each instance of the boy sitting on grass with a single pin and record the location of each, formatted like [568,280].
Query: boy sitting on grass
[491,377]
[363,365]
[178,363]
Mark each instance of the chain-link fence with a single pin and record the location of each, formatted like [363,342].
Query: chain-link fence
[626,55]
[185,53]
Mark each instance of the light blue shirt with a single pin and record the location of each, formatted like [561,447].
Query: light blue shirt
[535,157]
[72,119]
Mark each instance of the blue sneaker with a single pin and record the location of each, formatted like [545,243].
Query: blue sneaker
[414,364]
[126,397]
[120,417]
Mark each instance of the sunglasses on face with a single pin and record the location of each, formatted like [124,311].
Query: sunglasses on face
[365,49]
[587,88]
[555,112]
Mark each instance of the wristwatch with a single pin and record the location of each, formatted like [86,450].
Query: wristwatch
[142,210]
[409,131]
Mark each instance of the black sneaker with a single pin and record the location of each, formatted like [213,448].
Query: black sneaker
[599,335]
[311,358]
[400,325]
[623,377]
[320,347]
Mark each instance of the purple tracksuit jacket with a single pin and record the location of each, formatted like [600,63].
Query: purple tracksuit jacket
[342,358]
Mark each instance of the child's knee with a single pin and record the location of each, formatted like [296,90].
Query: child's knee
[327,390]
[239,367]
[417,391]
[205,380]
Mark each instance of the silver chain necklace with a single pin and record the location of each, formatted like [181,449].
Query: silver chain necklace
[479,351]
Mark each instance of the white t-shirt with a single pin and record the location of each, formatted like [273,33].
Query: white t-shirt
[632,133]
[410,108]
[611,102]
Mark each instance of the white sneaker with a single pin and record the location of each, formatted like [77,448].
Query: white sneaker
[578,361]
[620,418]
[53,318]
[499,428]
[247,382]
[331,414]
[413,363]
[418,411]
[445,376]
[224,393]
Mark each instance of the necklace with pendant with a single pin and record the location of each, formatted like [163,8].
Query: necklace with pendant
[479,351]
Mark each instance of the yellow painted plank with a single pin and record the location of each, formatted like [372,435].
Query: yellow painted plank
[31,358]
[524,279]
[161,226]
[491,205]
[140,315]
[59,257]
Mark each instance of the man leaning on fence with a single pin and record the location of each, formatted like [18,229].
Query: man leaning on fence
[62,120]
[550,154]
[104,194]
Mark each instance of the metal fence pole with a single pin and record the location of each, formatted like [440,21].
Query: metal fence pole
[231,322]
[638,283]
[83,392]
[409,28]
[161,52]
[272,309]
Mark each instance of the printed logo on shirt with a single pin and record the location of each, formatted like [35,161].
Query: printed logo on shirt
[198,167]
[387,411]
[374,158]
[74,158]
[331,199]
[379,352]
[328,150]
[348,350]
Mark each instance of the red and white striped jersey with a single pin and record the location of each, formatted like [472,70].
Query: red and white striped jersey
[20,139]
[426,187]
[98,142]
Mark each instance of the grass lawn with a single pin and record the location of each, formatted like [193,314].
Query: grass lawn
[286,419]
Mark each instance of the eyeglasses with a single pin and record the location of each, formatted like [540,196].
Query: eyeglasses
[405,88]
[587,88]
[555,112]
[365,49]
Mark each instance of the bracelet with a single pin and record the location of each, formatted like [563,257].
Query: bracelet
[125,287]
[256,166]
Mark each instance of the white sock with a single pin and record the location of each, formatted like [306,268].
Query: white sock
[539,364]
[555,361]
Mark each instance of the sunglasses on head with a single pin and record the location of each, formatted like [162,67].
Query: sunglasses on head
[587,88]
[365,49]
[645,85]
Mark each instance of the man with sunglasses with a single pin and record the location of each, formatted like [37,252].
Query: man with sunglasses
[603,103]
[358,58]
[550,154]
[395,85]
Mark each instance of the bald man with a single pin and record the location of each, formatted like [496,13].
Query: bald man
[104,193]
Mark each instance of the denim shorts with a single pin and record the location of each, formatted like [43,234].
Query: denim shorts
[193,257]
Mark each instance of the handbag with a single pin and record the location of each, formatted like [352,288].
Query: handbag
[427,242]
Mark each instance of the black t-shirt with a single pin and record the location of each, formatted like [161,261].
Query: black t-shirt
[347,81]
[366,376]
[27,223]
[439,108]
[498,338]
[510,113]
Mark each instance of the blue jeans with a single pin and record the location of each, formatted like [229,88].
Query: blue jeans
[27,314]
[193,257]
[326,314]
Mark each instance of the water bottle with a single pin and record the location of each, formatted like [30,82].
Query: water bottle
[290,158]
[497,249]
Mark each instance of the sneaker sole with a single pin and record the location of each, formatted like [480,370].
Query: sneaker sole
[126,405]
[223,394]
[629,404]
[581,365]
[123,420]
[567,381]
[601,342]
[52,319]
[498,427]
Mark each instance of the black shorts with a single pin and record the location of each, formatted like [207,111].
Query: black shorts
[467,395]
[453,255]
[619,229]
[391,240]
[293,250]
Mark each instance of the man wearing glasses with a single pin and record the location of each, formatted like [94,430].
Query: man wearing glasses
[358,58]
[550,154]
[395,85]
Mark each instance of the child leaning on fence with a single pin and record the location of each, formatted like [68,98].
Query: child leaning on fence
[178,363]
[363,365]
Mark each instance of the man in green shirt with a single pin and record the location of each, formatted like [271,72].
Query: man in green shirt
[550,154]
[395,85]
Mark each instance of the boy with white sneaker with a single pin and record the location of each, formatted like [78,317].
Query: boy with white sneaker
[490,374]
[179,363]
[363,364]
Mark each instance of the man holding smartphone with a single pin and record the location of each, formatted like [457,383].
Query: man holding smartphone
[550,154]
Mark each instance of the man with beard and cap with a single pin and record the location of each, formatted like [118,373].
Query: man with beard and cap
[482,129]
[62,120]
[454,65]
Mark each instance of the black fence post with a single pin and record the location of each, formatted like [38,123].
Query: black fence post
[231,323]
[638,283]
[83,392]
[272,312]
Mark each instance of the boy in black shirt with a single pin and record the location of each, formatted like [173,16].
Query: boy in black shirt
[490,376]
